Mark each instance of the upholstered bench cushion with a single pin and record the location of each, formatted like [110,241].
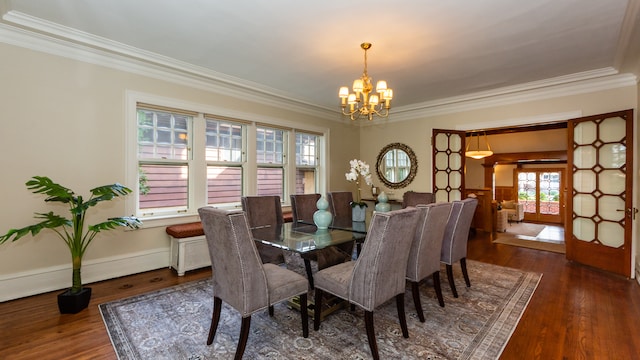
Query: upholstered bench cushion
[181,231]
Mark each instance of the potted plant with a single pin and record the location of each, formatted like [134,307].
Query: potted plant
[358,169]
[72,231]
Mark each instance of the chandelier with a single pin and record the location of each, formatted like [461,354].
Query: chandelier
[361,102]
[478,154]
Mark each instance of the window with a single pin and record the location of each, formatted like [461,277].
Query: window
[306,163]
[224,149]
[163,159]
[270,157]
[183,158]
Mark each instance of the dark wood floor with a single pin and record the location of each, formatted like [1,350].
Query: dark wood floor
[576,312]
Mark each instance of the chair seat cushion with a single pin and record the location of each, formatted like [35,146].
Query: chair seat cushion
[282,283]
[335,279]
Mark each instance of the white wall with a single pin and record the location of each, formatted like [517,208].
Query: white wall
[65,119]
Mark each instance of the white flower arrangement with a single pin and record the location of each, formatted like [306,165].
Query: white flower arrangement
[358,169]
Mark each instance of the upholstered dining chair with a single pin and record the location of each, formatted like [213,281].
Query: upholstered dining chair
[239,277]
[413,198]
[264,211]
[379,272]
[303,206]
[424,257]
[456,235]
[340,204]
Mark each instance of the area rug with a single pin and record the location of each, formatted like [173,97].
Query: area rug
[173,323]
[531,244]
[529,235]
[523,228]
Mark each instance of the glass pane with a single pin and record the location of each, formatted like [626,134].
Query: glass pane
[163,135]
[271,181]
[550,193]
[306,150]
[527,189]
[611,234]
[612,182]
[305,181]
[163,186]
[270,146]
[584,229]
[612,155]
[224,141]
[612,130]
[585,132]
[224,184]
[584,157]
[609,206]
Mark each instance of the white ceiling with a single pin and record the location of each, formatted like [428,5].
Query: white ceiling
[427,50]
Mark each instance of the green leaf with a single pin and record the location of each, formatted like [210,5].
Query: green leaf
[44,185]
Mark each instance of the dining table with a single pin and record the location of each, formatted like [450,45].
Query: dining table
[305,239]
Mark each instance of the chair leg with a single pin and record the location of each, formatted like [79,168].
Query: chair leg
[463,264]
[271,310]
[304,315]
[437,287]
[307,267]
[452,283]
[317,309]
[371,334]
[401,315]
[415,290]
[244,335]
[215,318]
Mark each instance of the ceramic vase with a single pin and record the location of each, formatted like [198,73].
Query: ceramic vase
[382,205]
[358,213]
[322,218]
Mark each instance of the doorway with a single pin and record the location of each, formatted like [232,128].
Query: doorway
[541,191]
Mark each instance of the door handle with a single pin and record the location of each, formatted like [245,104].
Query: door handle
[631,212]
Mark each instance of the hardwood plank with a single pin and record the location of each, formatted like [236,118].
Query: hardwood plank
[577,312]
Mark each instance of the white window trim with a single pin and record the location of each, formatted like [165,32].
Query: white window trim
[132,98]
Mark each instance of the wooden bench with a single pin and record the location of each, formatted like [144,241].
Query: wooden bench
[189,249]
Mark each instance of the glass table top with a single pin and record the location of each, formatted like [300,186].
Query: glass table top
[302,238]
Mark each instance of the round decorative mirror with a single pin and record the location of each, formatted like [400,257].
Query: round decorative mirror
[397,165]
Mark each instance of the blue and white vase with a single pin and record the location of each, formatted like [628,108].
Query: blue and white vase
[322,217]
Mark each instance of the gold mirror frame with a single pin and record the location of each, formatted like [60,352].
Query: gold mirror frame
[412,170]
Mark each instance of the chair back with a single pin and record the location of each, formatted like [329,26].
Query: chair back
[262,210]
[340,204]
[456,234]
[379,273]
[424,256]
[238,276]
[303,206]
[412,198]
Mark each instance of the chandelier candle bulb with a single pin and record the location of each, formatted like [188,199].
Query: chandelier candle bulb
[361,101]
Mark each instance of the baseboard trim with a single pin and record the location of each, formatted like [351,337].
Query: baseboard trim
[53,278]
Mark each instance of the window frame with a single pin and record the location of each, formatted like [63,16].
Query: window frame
[198,173]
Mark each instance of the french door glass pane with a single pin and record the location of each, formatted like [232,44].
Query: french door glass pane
[549,193]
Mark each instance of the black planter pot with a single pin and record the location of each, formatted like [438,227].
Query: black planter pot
[69,303]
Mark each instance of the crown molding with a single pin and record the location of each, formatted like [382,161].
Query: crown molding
[580,83]
[33,33]
[37,34]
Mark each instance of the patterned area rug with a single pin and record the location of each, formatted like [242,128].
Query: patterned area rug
[173,323]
